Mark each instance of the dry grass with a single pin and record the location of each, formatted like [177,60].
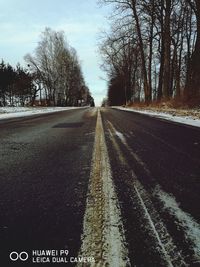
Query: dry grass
[175,107]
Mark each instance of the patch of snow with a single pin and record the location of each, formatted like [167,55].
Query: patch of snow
[165,253]
[189,225]
[118,134]
[180,119]
[14,112]
[123,140]
[121,137]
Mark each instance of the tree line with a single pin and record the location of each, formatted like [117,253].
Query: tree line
[53,76]
[16,85]
[152,51]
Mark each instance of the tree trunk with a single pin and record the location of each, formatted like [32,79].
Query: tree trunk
[167,51]
[151,46]
[147,92]
[193,83]
[162,53]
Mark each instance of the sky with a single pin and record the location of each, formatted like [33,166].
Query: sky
[22,21]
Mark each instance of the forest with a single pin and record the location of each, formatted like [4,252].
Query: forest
[151,52]
[52,76]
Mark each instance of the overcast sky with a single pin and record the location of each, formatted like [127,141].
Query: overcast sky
[22,21]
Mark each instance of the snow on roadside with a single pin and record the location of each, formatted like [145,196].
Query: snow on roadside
[13,112]
[189,120]
[183,219]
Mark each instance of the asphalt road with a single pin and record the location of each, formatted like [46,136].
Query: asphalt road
[119,186]
[44,169]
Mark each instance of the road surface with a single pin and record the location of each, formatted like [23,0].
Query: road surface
[107,187]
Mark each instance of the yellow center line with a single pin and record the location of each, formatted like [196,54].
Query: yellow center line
[102,236]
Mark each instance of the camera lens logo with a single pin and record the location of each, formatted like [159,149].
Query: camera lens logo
[23,256]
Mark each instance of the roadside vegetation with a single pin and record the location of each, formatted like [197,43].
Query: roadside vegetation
[151,53]
[52,76]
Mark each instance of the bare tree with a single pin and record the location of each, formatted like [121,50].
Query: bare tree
[163,33]
[57,69]
[193,82]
